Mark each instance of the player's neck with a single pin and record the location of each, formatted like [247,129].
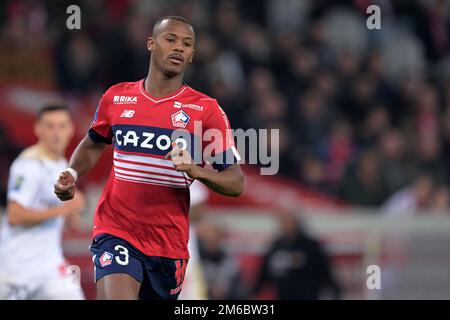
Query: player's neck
[47,152]
[158,85]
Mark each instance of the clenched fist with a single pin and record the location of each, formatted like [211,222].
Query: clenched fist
[65,186]
[183,161]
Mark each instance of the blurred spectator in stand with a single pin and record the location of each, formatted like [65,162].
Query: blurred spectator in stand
[303,68]
[348,67]
[397,165]
[271,107]
[325,83]
[429,158]
[376,123]
[296,265]
[407,92]
[254,47]
[440,199]
[227,22]
[359,101]
[313,176]
[340,150]
[313,122]
[220,270]
[427,112]
[364,184]
[77,60]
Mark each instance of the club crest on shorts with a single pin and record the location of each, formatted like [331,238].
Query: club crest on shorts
[106,259]
[180,119]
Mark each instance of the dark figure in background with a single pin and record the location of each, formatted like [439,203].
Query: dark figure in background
[220,269]
[296,265]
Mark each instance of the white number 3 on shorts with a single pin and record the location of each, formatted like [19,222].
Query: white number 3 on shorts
[123,252]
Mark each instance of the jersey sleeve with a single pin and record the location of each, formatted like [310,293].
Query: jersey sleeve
[24,182]
[220,149]
[100,130]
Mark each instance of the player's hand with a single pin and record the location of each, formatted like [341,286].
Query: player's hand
[65,186]
[183,161]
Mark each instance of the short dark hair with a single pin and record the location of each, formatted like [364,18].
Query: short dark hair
[177,18]
[51,107]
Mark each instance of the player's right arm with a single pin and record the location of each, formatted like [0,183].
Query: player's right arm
[21,215]
[23,186]
[82,161]
[87,152]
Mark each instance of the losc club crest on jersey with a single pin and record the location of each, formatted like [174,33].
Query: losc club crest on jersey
[106,259]
[180,119]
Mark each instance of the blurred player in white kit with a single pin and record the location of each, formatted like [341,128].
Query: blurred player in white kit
[32,265]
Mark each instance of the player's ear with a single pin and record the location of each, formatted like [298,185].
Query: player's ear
[36,129]
[150,43]
[192,57]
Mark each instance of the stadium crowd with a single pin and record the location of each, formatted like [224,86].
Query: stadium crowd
[364,115]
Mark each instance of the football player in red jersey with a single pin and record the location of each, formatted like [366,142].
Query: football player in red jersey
[141,223]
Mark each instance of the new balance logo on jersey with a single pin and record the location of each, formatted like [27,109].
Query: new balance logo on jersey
[124,100]
[106,259]
[127,114]
[180,119]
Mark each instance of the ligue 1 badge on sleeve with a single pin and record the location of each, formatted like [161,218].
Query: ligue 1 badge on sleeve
[180,119]
[18,183]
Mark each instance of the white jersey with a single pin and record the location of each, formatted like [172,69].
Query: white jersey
[29,253]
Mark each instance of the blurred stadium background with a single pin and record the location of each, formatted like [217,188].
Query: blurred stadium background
[364,119]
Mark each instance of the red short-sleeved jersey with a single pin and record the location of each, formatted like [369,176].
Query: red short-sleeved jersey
[146,201]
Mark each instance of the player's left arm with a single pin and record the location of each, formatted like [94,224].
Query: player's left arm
[229,181]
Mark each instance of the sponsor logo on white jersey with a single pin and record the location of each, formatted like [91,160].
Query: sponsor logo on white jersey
[124,100]
[127,114]
[179,105]
[180,119]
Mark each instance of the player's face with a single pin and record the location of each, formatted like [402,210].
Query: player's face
[54,130]
[172,47]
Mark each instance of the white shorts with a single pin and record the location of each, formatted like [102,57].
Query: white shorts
[54,285]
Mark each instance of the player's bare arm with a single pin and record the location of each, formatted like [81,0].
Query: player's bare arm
[228,182]
[83,159]
[20,215]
